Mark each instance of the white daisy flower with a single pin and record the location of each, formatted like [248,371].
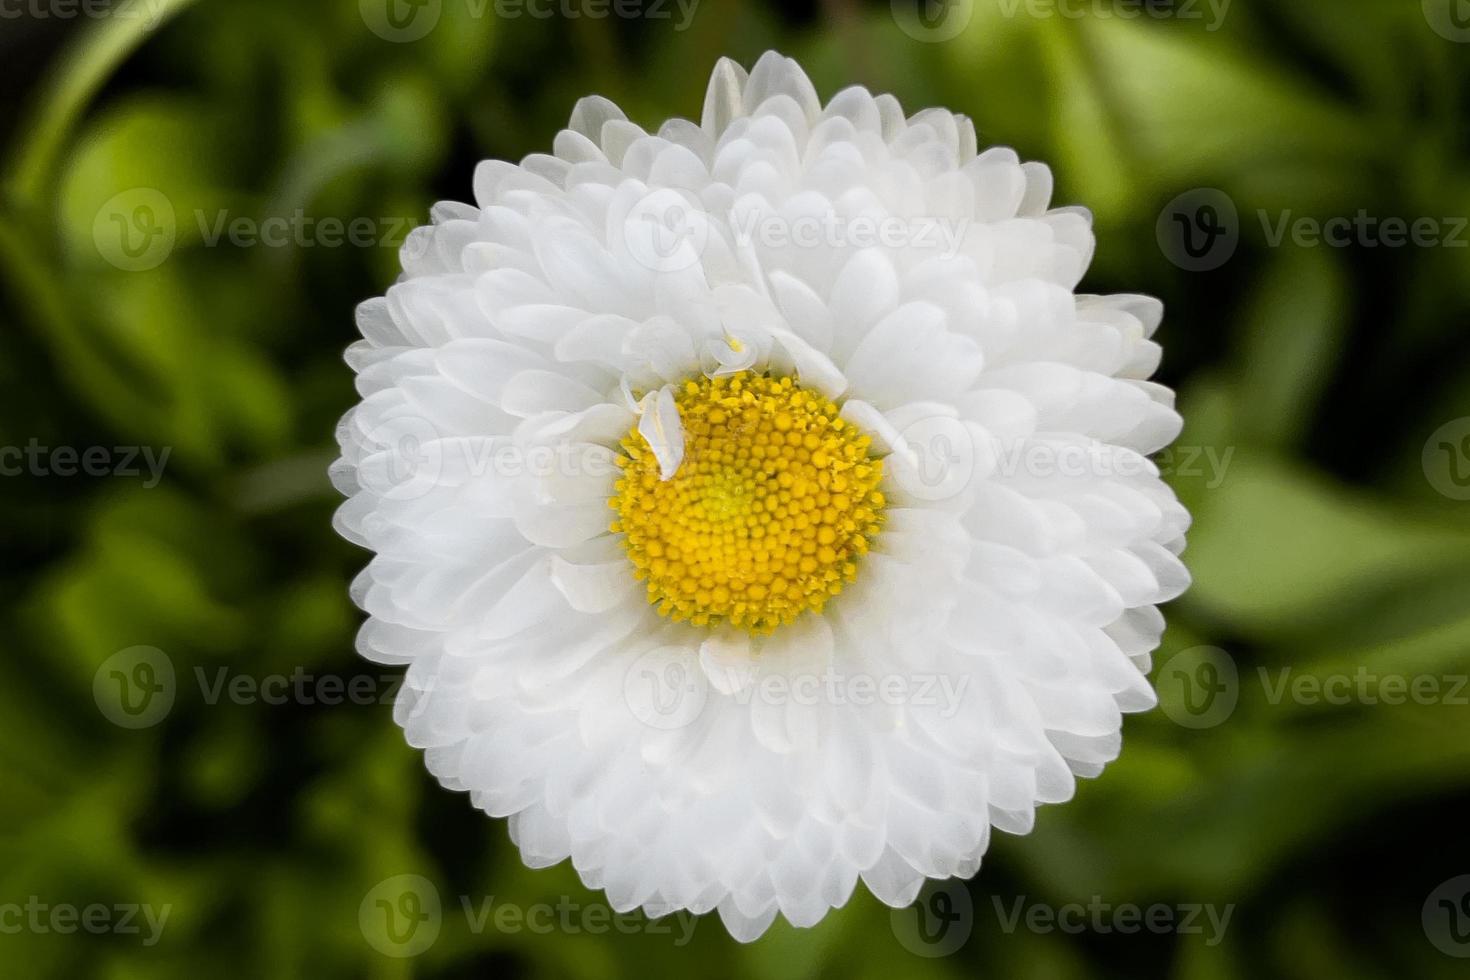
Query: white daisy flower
[755,505]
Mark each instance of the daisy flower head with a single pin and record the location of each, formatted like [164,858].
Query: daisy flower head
[755,504]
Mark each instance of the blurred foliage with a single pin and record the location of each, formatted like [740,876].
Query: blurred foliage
[1318,374]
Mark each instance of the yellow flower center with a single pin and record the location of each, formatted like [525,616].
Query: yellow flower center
[774,503]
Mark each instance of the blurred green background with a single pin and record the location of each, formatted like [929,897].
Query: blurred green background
[1326,458]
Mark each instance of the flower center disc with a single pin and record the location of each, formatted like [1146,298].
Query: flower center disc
[773,504]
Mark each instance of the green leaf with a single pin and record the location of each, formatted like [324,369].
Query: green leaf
[1294,325]
[1276,548]
[1091,154]
[1200,107]
[146,170]
[70,87]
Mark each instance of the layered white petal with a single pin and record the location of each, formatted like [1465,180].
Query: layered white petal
[1004,620]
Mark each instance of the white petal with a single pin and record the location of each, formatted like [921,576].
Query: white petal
[660,426]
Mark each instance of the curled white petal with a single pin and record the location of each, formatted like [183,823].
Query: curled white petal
[660,426]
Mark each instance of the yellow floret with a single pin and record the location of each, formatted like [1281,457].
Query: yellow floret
[775,502]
